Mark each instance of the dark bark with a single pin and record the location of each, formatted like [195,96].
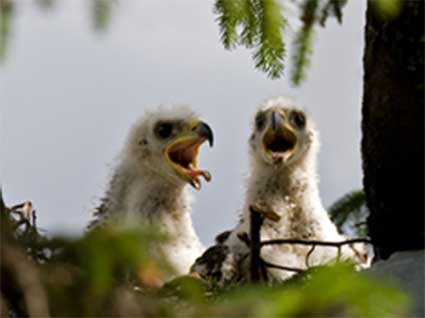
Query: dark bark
[392,126]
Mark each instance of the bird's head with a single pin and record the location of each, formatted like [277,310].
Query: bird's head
[167,142]
[282,134]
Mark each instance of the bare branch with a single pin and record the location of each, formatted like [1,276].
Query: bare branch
[17,206]
[244,237]
[338,256]
[258,213]
[313,242]
[256,221]
[285,268]
[265,211]
[307,257]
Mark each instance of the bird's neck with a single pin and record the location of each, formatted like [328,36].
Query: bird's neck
[143,197]
[291,192]
[147,196]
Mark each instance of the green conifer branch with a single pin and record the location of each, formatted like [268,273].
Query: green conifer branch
[303,41]
[269,55]
[332,8]
[303,50]
[259,24]
[249,35]
[350,203]
[102,13]
[6,12]
[336,6]
[228,12]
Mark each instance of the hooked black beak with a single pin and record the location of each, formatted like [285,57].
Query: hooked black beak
[276,121]
[206,132]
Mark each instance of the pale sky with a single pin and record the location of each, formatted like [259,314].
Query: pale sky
[68,96]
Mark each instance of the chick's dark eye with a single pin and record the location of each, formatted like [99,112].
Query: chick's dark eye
[163,130]
[260,121]
[298,119]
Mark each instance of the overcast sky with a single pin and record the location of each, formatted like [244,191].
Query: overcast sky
[68,96]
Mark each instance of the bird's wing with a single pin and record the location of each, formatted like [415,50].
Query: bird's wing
[222,237]
[219,265]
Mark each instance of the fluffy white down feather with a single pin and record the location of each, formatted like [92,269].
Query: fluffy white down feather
[145,189]
[288,187]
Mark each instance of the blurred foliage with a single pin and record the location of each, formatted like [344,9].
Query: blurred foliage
[102,12]
[260,24]
[117,272]
[254,24]
[333,8]
[6,13]
[101,266]
[349,214]
[303,42]
[387,9]
[46,4]
[323,291]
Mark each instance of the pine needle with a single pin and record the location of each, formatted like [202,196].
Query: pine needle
[351,203]
[228,12]
[270,53]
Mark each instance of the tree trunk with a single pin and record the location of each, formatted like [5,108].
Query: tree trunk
[392,127]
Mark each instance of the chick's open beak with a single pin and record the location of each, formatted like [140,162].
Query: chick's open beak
[276,121]
[182,152]
[205,131]
[279,140]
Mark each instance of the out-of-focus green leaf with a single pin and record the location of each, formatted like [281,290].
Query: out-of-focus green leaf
[302,54]
[326,291]
[6,13]
[46,4]
[111,272]
[350,208]
[104,260]
[187,288]
[387,9]
[102,13]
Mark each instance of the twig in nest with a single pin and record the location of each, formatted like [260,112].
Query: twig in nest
[263,270]
[285,268]
[27,210]
[265,211]
[312,242]
[34,219]
[360,256]
[256,220]
[258,213]
[244,237]
[307,257]
[26,215]
[17,206]
[359,224]
[19,223]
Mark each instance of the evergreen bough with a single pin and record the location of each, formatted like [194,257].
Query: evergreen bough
[260,25]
